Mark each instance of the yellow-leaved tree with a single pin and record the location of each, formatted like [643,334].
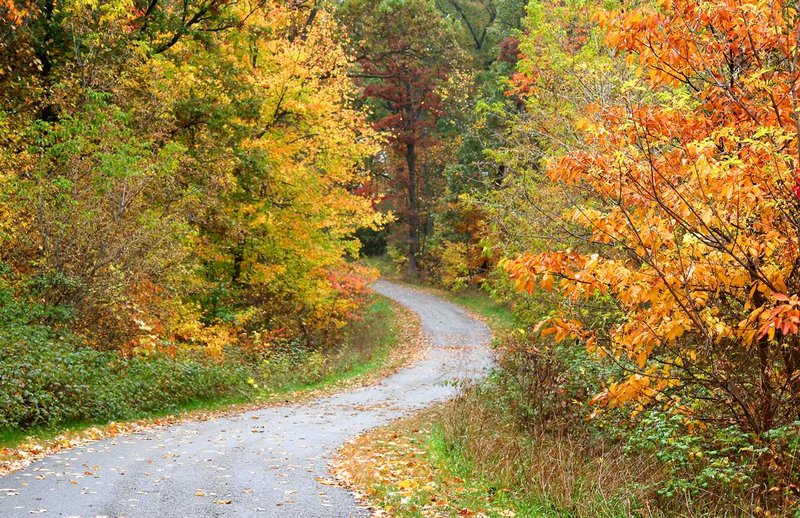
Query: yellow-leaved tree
[183,171]
[689,197]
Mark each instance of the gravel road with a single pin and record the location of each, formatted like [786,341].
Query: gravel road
[268,462]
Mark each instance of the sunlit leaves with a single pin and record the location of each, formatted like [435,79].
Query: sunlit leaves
[169,166]
[687,201]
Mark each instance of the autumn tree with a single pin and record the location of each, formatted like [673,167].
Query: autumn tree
[484,24]
[157,154]
[560,67]
[406,56]
[690,206]
[291,208]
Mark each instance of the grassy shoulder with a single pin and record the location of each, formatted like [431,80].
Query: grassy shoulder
[408,469]
[443,463]
[522,443]
[384,338]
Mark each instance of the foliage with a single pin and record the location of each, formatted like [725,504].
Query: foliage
[679,260]
[48,380]
[183,174]
[696,463]
[408,65]
[181,184]
[690,221]
[452,271]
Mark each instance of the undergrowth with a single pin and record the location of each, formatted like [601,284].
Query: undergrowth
[524,442]
[51,383]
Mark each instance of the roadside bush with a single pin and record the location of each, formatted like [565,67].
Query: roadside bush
[47,380]
[541,387]
[365,340]
[531,427]
[719,468]
[526,429]
[289,365]
[50,379]
[452,265]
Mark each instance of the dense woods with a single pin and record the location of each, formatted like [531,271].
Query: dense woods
[181,187]
[186,189]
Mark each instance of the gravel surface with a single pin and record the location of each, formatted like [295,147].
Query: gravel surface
[270,462]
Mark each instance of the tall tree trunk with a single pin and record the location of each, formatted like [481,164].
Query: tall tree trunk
[42,50]
[413,208]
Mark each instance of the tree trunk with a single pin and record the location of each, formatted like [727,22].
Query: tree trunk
[238,259]
[413,208]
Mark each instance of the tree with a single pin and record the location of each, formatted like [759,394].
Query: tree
[484,24]
[477,17]
[691,206]
[290,212]
[181,171]
[563,67]
[406,55]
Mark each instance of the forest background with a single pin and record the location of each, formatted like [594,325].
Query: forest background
[186,187]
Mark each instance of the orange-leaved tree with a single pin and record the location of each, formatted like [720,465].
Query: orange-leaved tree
[690,200]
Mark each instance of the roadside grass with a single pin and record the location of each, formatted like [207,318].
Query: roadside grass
[498,317]
[408,470]
[384,339]
[365,349]
[10,439]
[468,457]
[480,487]
[560,471]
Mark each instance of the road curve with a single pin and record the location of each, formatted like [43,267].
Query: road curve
[260,463]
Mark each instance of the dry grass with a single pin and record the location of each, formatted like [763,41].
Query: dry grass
[440,464]
[395,471]
[466,458]
[574,473]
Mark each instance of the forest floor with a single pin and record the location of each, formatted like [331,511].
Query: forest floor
[266,462]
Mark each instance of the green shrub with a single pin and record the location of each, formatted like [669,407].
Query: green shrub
[47,380]
[291,365]
[711,464]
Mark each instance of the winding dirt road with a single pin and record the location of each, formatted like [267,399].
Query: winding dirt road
[264,463]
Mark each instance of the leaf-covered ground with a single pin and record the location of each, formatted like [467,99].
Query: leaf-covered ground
[405,470]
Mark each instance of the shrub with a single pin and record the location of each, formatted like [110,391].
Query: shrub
[47,380]
[452,268]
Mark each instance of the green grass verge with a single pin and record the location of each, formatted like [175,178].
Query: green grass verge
[14,438]
[498,316]
[365,350]
[479,491]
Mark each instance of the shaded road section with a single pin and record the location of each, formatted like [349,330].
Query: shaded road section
[270,462]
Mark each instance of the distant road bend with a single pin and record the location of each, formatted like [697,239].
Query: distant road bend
[260,463]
